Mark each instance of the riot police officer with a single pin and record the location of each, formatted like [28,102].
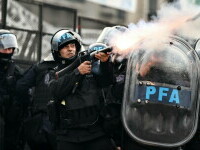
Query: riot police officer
[10,112]
[37,127]
[114,93]
[78,97]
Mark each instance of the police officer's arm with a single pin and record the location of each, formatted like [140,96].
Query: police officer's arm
[65,84]
[85,68]
[106,77]
[27,81]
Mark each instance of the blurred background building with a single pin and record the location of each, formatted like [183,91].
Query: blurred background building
[34,21]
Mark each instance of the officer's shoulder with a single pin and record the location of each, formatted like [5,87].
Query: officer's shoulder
[49,62]
[43,65]
[18,70]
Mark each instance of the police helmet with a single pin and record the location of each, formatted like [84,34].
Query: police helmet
[7,40]
[106,37]
[97,46]
[62,38]
[109,32]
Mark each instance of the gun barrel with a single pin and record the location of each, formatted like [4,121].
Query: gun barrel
[78,60]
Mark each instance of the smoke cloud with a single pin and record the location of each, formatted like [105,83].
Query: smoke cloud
[180,18]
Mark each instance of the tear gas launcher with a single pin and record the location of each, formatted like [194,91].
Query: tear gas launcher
[87,55]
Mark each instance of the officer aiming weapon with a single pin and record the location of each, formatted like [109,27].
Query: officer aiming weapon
[88,55]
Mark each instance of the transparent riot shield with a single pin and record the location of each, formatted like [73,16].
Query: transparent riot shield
[161,101]
[197,47]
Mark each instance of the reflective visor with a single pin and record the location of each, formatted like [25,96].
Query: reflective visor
[109,33]
[8,41]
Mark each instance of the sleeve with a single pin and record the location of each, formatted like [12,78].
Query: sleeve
[64,85]
[27,81]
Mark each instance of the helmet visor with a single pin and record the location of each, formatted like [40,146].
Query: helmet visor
[110,32]
[8,41]
[104,36]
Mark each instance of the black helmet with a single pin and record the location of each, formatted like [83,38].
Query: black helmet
[106,37]
[62,38]
[109,32]
[7,40]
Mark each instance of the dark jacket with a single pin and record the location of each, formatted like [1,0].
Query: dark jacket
[37,127]
[35,77]
[10,111]
[9,74]
[79,100]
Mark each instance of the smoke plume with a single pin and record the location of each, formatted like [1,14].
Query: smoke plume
[182,19]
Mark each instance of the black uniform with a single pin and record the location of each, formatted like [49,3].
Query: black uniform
[10,111]
[78,98]
[112,109]
[37,128]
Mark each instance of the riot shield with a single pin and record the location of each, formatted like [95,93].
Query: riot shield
[161,101]
[197,47]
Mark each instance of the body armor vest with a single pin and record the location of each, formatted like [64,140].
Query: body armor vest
[82,108]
